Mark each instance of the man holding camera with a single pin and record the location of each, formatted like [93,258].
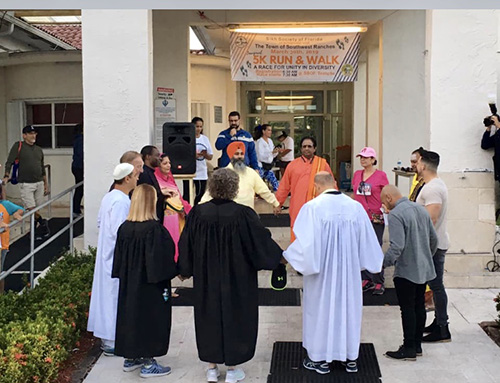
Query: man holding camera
[492,141]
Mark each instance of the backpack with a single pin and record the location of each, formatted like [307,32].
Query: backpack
[15,167]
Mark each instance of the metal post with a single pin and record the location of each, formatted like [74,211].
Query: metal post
[32,248]
[49,186]
[71,220]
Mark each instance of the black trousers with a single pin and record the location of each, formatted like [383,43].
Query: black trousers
[199,186]
[411,297]
[377,278]
[77,197]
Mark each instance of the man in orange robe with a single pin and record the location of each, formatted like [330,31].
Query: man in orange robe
[299,179]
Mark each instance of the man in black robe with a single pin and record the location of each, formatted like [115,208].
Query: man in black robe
[223,246]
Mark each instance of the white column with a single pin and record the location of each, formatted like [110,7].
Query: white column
[117,93]
[171,58]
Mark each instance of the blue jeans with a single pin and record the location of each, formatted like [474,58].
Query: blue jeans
[269,176]
[437,287]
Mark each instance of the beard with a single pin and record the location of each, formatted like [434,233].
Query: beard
[238,165]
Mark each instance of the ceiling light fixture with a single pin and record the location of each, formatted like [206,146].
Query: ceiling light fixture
[299,30]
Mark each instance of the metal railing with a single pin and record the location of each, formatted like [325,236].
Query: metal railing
[34,250]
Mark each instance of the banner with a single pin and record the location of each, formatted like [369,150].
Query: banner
[300,57]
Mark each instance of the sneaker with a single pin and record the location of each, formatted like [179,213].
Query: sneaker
[441,334]
[154,369]
[108,351]
[379,289]
[403,353]
[213,374]
[367,285]
[431,327]
[234,376]
[42,231]
[350,365]
[320,367]
[132,364]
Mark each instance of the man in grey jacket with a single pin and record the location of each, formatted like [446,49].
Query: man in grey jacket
[413,241]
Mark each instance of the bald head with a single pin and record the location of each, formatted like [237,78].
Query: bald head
[323,181]
[389,196]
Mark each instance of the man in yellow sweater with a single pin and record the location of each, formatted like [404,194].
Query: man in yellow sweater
[250,181]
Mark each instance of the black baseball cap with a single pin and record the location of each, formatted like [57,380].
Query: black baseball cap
[29,129]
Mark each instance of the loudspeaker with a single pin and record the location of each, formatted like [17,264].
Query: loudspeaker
[179,143]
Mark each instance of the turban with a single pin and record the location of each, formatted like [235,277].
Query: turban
[233,147]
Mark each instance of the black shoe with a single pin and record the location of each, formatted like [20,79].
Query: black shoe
[42,231]
[404,353]
[418,350]
[284,207]
[440,335]
[431,327]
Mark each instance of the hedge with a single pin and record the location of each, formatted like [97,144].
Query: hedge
[39,328]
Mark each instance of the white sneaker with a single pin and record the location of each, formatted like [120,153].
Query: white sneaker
[235,376]
[213,374]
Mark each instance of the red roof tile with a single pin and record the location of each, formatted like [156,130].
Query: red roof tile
[69,33]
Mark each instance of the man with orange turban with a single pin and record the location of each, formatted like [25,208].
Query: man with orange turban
[250,181]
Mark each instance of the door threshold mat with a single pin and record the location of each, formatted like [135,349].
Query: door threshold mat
[389,298]
[267,297]
[270,220]
[313,377]
[287,361]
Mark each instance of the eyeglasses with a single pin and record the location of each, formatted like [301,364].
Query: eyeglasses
[307,146]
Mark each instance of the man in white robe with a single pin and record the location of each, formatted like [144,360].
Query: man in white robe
[104,298]
[335,241]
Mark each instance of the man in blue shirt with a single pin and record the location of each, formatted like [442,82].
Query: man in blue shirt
[236,133]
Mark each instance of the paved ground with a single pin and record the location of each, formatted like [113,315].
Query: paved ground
[470,357]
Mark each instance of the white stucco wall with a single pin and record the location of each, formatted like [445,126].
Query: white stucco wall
[463,71]
[118,103]
[213,85]
[48,81]
[404,119]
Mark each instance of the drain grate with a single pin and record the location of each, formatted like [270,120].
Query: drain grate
[286,366]
[389,298]
[267,297]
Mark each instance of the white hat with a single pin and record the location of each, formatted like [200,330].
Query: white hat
[121,171]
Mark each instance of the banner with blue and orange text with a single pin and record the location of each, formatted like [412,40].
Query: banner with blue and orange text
[294,57]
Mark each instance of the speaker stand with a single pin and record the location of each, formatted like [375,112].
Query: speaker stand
[190,178]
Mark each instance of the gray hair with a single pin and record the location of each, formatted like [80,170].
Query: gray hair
[224,184]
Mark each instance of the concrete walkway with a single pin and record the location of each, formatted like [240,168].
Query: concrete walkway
[470,357]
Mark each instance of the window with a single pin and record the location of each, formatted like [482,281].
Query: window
[55,123]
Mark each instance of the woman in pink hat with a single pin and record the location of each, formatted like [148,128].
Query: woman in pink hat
[367,185]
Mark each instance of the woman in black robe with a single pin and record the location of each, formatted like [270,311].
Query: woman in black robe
[144,263]
[223,246]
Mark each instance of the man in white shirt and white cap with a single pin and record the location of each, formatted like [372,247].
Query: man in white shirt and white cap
[104,298]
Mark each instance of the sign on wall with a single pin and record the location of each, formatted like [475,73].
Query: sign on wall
[165,111]
[300,57]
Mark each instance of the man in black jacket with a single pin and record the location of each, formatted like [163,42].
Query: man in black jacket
[151,157]
[493,141]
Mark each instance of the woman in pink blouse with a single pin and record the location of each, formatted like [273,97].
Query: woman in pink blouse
[367,185]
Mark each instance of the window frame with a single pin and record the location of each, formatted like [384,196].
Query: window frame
[52,150]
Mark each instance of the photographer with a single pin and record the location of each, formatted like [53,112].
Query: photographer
[492,141]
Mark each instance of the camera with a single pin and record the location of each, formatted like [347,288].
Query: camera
[494,112]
